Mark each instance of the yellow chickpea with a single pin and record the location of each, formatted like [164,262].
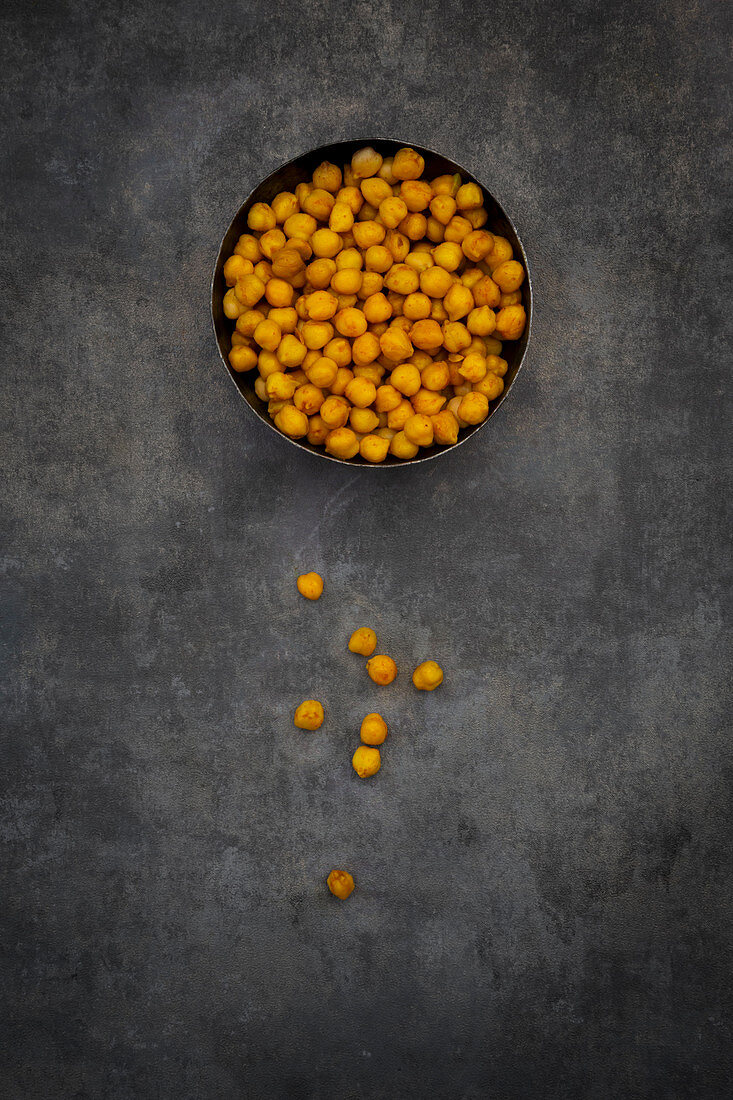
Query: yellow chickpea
[435,376]
[363,421]
[279,293]
[321,305]
[308,398]
[374,448]
[445,428]
[309,715]
[478,217]
[414,226]
[280,386]
[381,669]
[366,761]
[292,422]
[474,408]
[328,176]
[248,247]
[235,267]
[395,345]
[320,273]
[361,393]
[367,233]
[446,185]
[302,226]
[268,363]
[319,204]
[373,371]
[363,641]
[416,194]
[447,255]
[375,190]
[419,261]
[481,321]
[373,729]
[351,197]
[453,407]
[285,318]
[287,263]
[249,289]
[458,301]
[260,388]
[267,335]
[347,281]
[426,335]
[291,351]
[316,334]
[407,164]
[233,306]
[263,270]
[406,379]
[335,411]
[427,676]
[341,381]
[242,358]
[271,242]
[434,230]
[401,447]
[491,386]
[325,243]
[416,306]
[508,276]
[365,349]
[477,244]
[283,205]
[238,340]
[469,196]
[473,367]
[486,293]
[436,281]
[512,299]
[457,229]
[342,443]
[341,218]
[302,191]
[322,372]
[398,244]
[497,365]
[456,337]
[510,322]
[442,208]
[261,217]
[377,308]
[427,403]
[365,162]
[350,322]
[317,431]
[419,430]
[500,253]
[387,399]
[402,279]
[341,884]
[378,258]
[392,210]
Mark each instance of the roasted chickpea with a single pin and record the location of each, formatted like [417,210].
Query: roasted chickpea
[445,428]
[268,335]
[436,281]
[398,244]
[442,208]
[341,218]
[317,431]
[292,422]
[341,884]
[235,267]
[447,255]
[373,728]
[500,253]
[406,379]
[374,448]
[280,386]
[350,322]
[401,447]
[486,293]
[367,233]
[261,217]
[510,322]
[496,365]
[427,676]
[363,641]
[382,669]
[402,279]
[456,336]
[325,243]
[361,393]
[508,276]
[414,226]
[283,205]
[248,247]
[365,162]
[474,408]
[427,403]
[366,761]
[427,335]
[419,430]
[363,421]
[387,398]
[328,176]
[416,194]
[308,398]
[407,164]
[481,321]
[322,372]
[341,381]
[435,377]
[375,190]
[321,305]
[316,334]
[301,225]
[334,411]
[320,273]
[309,715]
[291,351]
[242,358]
[458,301]
[249,289]
[473,367]
[491,386]
[343,443]
[395,345]
[446,185]
[417,306]
[392,211]
[469,196]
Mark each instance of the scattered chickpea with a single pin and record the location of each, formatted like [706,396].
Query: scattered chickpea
[309,715]
[341,884]
[373,729]
[363,641]
[310,585]
[382,669]
[374,305]
[366,761]
[427,676]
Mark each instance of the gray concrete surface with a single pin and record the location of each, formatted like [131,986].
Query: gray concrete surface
[543,864]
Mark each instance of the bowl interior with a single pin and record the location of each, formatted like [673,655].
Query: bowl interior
[285,179]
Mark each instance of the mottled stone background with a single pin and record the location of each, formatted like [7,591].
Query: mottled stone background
[543,863]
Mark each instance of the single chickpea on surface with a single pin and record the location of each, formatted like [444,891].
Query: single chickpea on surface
[310,585]
[382,669]
[309,715]
[373,729]
[373,302]
[427,676]
[366,761]
[341,884]
[363,641]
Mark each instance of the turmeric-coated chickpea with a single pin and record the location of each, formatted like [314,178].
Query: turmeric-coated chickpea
[469,196]
[319,204]
[342,443]
[365,349]
[445,427]
[283,205]
[280,386]
[457,230]
[454,406]
[325,244]
[481,321]
[271,242]
[249,289]
[435,376]
[363,641]
[316,334]
[474,408]
[338,348]
[512,299]
[235,267]
[341,381]
[292,422]
[350,322]
[233,306]
[442,208]
[416,306]
[287,263]
[387,399]
[416,194]
[373,371]
[473,367]
[436,281]
[317,431]
[477,244]
[386,173]
[486,293]
[373,729]
[291,351]
[401,447]
[268,335]
[508,276]
[407,164]
[402,279]
[419,430]
[341,218]
[446,185]
[398,244]
[378,258]
[363,421]
[427,402]
[349,258]
[456,336]
[328,176]
[491,385]
[367,233]
[261,218]
[309,715]
[382,669]
[368,213]
[510,322]
[321,305]
[335,411]
[320,272]
[242,358]
[238,340]
[248,247]
[374,448]
[302,226]
[268,363]
[361,393]
[427,676]
[263,270]
[427,335]
[308,398]
[310,585]
[377,308]
[500,253]
[375,190]
[434,230]
[341,884]
[302,191]
[458,301]
[285,317]
[351,197]
[366,761]
[261,388]
[322,372]
[279,293]
[347,281]
[392,210]
[478,216]
[414,226]
[496,364]
[395,345]
[406,379]
[365,162]
[447,255]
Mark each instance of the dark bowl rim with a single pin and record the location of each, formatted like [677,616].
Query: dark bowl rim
[352,462]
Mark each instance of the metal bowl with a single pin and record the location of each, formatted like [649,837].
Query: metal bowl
[285,179]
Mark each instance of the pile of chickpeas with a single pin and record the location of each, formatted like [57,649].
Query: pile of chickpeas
[382,670]
[374,305]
